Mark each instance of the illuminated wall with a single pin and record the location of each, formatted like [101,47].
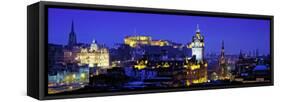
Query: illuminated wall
[196,73]
[133,41]
[159,43]
[198,52]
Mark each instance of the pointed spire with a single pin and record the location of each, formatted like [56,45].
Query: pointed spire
[72,36]
[197,29]
[241,54]
[222,44]
[222,49]
[72,26]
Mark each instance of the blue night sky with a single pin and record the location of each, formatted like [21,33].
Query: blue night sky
[111,27]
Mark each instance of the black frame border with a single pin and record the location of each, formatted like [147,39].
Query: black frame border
[43,41]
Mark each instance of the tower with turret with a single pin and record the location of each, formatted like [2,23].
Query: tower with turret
[223,71]
[197,45]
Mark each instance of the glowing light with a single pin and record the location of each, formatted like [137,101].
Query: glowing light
[146,62]
[200,80]
[73,76]
[140,66]
[193,67]
[133,41]
[166,65]
[188,83]
[205,65]
[191,45]
[143,38]
[91,65]
[83,75]
[195,81]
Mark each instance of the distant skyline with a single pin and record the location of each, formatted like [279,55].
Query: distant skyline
[109,27]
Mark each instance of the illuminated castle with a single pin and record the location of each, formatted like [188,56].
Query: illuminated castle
[95,56]
[194,68]
[134,41]
[197,45]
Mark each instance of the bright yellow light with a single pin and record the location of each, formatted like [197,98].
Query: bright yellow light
[201,44]
[83,75]
[188,83]
[166,65]
[205,65]
[193,67]
[140,66]
[191,45]
[73,76]
[143,38]
[200,80]
[146,62]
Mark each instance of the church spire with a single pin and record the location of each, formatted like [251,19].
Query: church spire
[72,36]
[241,56]
[198,29]
[72,26]
[224,72]
[222,49]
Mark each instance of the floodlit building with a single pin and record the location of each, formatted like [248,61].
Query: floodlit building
[196,73]
[134,41]
[197,45]
[196,66]
[96,55]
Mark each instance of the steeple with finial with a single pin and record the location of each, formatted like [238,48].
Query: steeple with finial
[222,49]
[198,36]
[224,72]
[197,28]
[72,36]
[72,26]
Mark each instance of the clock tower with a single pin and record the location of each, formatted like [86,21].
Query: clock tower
[197,45]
